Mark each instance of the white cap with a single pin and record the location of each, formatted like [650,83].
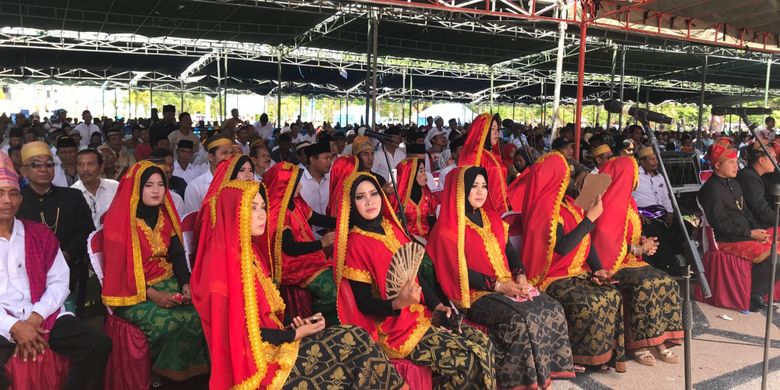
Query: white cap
[431,133]
[285,130]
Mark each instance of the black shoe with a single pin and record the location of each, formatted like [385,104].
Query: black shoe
[757,303]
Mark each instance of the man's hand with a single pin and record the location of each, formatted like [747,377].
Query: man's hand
[759,235]
[602,276]
[29,340]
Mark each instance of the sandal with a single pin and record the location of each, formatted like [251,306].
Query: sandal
[644,357]
[666,355]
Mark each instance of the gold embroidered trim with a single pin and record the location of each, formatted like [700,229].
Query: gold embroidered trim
[389,239]
[502,178]
[631,260]
[288,192]
[422,326]
[460,208]
[493,249]
[357,275]
[138,269]
[262,352]
[556,216]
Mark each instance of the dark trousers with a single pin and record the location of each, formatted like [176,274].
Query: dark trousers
[669,245]
[761,275]
[86,347]
[79,277]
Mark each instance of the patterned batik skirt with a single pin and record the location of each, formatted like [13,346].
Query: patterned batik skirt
[652,306]
[458,361]
[342,357]
[594,315]
[176,342]
[530,338]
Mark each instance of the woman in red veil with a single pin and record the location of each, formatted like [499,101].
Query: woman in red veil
[480,271]
[147,281]
[298,258]
[417,202]
[557,255]
[482,149]
[242,312]
[368,234]
[342,168]
[653,298]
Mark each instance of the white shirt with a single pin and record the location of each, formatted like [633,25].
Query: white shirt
[316,195]
[99,202]
[86,131]
[380,164]
[15,296]
[196,191]
[178,202]
[189,174]
[61,178]
[264,131]
[651,191]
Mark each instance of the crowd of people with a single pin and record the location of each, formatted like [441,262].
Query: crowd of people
[320,212]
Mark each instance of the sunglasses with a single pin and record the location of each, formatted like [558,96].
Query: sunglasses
[37,165]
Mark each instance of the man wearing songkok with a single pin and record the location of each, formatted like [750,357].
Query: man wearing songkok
[283,151]
[33,289]
[656,212]
[124,159]
[753,187]
[394,152]
[601,154]
[315,180]
[63,210]
[183,166]
[66,174]
[97,191]
[219,148]
[15,137]
[735,227]
[166,126]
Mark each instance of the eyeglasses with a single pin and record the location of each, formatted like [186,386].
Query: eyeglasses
[37,165]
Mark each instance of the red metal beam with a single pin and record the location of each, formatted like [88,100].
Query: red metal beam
[474,11]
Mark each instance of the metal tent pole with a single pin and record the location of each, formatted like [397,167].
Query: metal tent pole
[279,92]
[375,54]
[701,101]
[622,82]
[611,83]
[766,84]
[411,95]
[367,85]
[224,101]
[559,72]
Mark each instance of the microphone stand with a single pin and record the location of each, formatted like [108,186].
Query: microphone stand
[395,188]
[770,309]
[692,255]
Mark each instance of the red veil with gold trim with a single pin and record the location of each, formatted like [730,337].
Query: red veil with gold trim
[235,297]
[475,153]
[124,283]
[619,224]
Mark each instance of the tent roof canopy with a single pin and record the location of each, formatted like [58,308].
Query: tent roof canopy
[669,69]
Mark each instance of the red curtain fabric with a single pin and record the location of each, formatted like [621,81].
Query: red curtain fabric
[417,377]
[129,365]
[48,373]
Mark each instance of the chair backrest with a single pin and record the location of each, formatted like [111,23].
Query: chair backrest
[704,176]
[708,234]
[95,251]
[188,235]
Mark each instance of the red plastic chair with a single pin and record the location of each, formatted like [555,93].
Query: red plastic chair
[48,373]
[417,377]
[129,365]
[729,276]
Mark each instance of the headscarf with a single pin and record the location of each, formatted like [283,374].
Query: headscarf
[475,152]
[619,225]
[124,282]
[235,297]
[408,188]
[542,210]
[342,168]
[453,234]
[226,171]
[508,155]
[288,211]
